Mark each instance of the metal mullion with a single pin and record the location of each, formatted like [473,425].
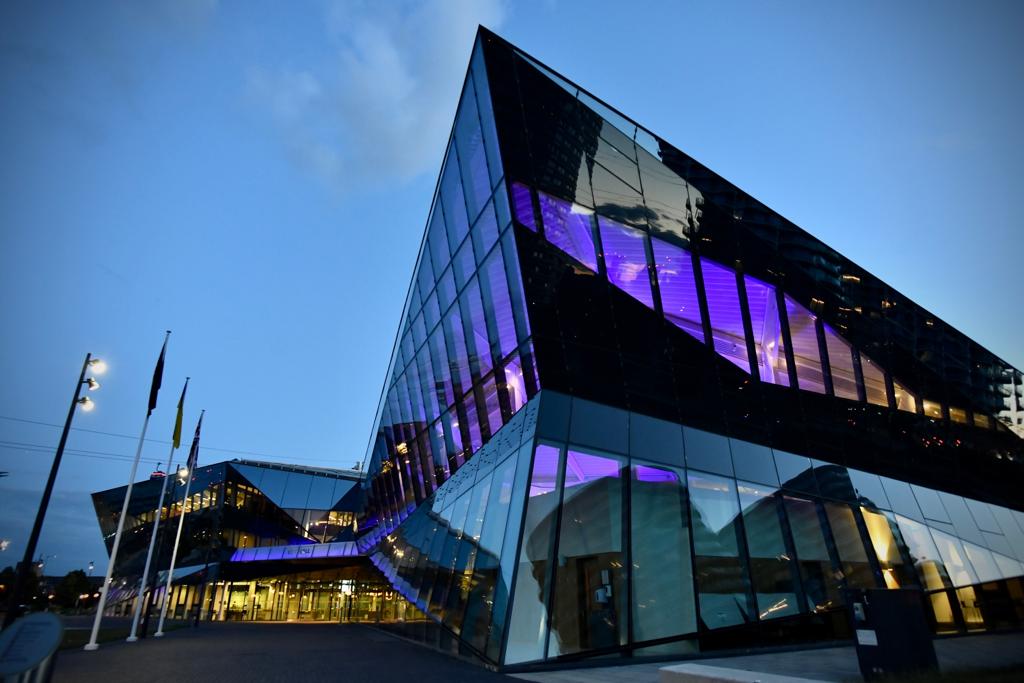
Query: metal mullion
[748,327]
[787,337]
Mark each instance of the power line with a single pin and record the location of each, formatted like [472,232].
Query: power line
[161,441]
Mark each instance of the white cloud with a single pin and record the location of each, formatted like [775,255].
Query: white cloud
[380,108]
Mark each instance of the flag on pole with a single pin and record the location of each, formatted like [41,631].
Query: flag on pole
[193,455]
[176,438]
[158,378]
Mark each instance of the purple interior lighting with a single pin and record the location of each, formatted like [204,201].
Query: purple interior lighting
[626,259]
[726,316]
[840,361]
[501,302]
[654,475]
[515,383]
[545,470]
[567,226]
[522,205]
[805,347]
[581,468]
[768,342]
[678,287]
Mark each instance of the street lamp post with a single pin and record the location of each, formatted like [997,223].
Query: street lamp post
[14,606]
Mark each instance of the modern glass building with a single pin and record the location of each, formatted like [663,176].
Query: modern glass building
[631,411]
[260,542]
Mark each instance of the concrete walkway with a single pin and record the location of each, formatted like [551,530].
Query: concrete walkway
[268,653]
[834,664]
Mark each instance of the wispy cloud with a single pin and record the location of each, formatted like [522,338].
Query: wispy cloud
[379,108]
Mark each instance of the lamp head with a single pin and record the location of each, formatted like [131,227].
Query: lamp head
[98,366]
[93,384]
[87,403]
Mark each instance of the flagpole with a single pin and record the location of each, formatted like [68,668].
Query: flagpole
[105,590]
[175,441]
[177,537]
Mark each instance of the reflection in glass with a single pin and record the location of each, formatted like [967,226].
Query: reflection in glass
[589,605]
[771,568]
[951,550]
[724,310]
[721,580]
[923,554]
[874,382]
[567,226]
[678,287]
[933,409]
[769,346]
[802,331]
[626,259]
[904,399]
[849,546]
[662,569]
[522,205]
[840,361]
[527,628]
[499,305]
[821,583]
[887,550]
[515,383]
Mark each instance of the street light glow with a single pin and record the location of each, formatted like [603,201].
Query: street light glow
[98,366]
[93,384]
[87,403]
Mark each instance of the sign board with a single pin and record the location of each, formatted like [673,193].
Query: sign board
[29,642]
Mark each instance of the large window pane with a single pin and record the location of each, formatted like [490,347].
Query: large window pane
[905,400]
[527,626]
[515,285]
[663,603]
[625,259]
[589,607]
[499,304]
[771,568]
[887,549]
[951,549]
[874,382]
[809,375]
[850,546]
[475,326]
[567,226]
[724,309]
[840,361]
[674,267]
[515,383]
[472,157]
[453,200]
[769,347]
[522,205]
[821,583]
[721,579]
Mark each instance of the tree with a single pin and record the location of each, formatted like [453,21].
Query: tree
[74,584]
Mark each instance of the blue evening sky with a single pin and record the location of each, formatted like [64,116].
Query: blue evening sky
[255,176]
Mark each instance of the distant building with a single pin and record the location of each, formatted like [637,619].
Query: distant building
[261,541]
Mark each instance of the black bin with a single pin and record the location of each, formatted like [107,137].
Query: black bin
[891,632]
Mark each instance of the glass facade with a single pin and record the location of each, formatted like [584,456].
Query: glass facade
[736,423]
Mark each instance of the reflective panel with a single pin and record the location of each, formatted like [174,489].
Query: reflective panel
[886,547]
[849,546]
[954,557]
[589,596]
[663,601]
[722,581]
[904,399]
[724,310]
[874,382]
[567,226]
[678,287]
[820,581]
[802,331]
[527,630]
[932,409]
[625,259]
[772,571]
[840,361]
[769,346]
[522,205]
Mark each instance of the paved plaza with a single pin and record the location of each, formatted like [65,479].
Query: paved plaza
[227,652]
